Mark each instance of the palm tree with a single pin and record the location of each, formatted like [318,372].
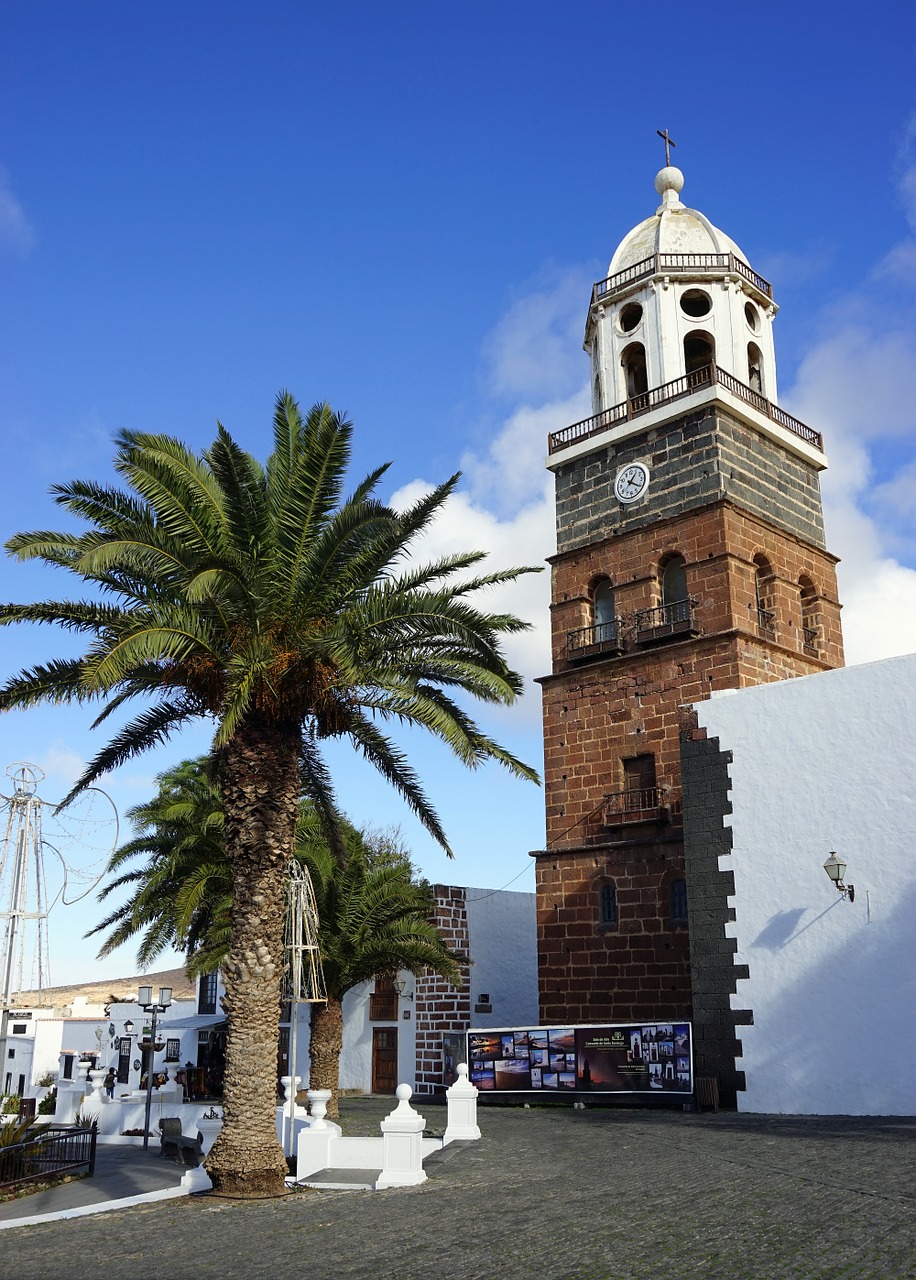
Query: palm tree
[374,913]
[262,599]
[182,893]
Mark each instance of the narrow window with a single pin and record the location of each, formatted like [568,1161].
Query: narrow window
[608,904]
[206,999]
[808,595]
[674,581]
[763,592]
[68,1066]
[603,619]
[754,368]
[633,362]
[699,353]
[678,896]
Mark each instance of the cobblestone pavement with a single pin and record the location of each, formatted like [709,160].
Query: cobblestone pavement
[550,1193]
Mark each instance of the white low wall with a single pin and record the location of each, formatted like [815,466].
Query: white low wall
[822,763]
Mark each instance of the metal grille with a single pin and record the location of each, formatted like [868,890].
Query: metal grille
[675,390]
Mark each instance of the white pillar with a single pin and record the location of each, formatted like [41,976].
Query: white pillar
[402,1144]
[462,1108]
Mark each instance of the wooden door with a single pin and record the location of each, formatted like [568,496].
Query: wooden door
[384,1059]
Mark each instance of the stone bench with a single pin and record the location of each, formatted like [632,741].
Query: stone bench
[173,1143]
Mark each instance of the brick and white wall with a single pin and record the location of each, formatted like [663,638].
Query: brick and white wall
[822,763]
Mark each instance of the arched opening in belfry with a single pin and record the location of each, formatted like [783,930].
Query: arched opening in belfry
[674,581]
[808,597]
[763,593]
[699,352]
[754,367]
[603,618]
[633,363]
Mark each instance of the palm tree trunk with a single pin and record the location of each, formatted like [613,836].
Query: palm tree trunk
[325,1044]
[260,788]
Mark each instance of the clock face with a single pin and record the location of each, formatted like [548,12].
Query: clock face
[632,482]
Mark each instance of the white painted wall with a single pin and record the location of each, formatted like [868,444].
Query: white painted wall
[825,762]
[502,928]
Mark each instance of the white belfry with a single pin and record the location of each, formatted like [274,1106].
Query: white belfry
[679,295]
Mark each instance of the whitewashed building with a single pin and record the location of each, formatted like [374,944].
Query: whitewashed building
[802,993]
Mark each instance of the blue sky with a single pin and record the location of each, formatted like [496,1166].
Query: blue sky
[400,209]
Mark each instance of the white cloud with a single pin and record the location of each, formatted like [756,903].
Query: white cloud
[15,230]
[506,504]
[856,385]
[535,350]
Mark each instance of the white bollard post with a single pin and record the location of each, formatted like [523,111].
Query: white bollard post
[402,1144]
[462,1108]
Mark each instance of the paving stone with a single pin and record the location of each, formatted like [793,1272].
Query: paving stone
[552,1193]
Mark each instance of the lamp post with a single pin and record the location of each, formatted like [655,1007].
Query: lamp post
[155,1007]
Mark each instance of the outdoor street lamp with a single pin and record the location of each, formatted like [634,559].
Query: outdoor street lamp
[400,987]
[155,1007]
[836,870]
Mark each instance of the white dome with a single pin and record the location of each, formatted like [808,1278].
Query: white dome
[672,229]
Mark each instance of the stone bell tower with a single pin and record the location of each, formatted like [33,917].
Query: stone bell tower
[690,559]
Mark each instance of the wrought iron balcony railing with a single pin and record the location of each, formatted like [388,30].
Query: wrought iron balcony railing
[709,375]
[766,623]
[809,639]
[589,642]
[675,264]
[666,620]
[633,805]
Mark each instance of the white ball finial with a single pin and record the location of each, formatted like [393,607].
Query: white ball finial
[462,1070]
[668,182]
[403,1093]
[669,179]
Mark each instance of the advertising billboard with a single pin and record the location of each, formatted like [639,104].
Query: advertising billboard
[645,1057]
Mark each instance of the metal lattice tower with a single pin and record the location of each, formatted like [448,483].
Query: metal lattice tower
[24,905]
[303,977]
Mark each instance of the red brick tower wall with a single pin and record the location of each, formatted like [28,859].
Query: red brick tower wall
[602,709]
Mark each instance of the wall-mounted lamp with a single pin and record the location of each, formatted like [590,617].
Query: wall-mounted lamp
[836,870]
[400,987]
[129,1027]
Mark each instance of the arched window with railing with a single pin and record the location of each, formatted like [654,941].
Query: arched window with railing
[602,634]
[755,368]
[674,616]
[763,595]
[635,373]
[809,615]
[699,354]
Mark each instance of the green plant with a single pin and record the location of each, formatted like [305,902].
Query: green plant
[14,1132]
[49,1078]
[11,1104]
[48,1104]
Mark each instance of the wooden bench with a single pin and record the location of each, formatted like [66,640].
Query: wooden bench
[173,1143]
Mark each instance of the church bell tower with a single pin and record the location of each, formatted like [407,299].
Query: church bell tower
[690,559]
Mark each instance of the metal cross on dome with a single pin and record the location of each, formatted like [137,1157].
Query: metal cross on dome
[669,143]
